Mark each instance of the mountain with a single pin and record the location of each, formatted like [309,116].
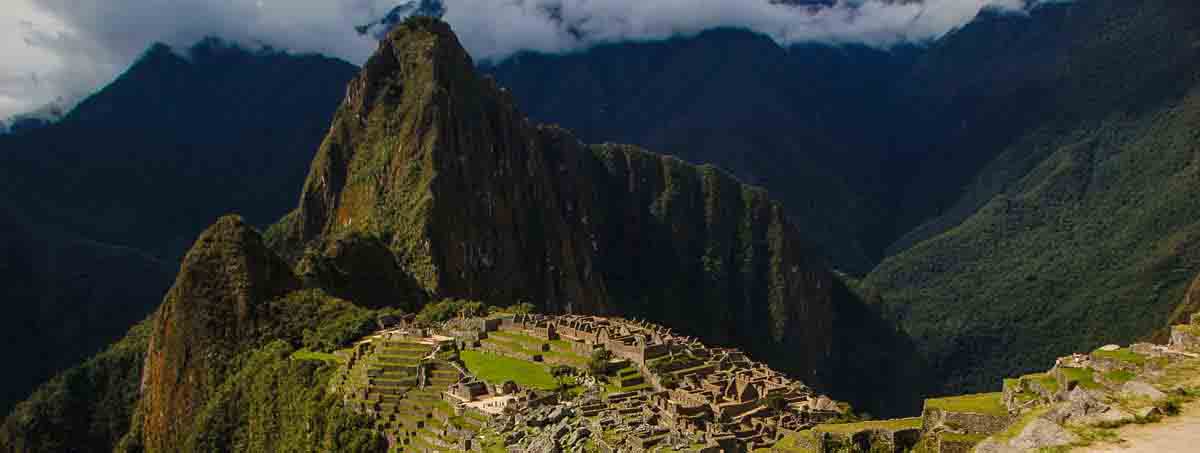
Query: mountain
[791,119]
[434,162]
[1016,190]
[28,121]
[431,163]
[1022,190]
[175,141]
[1077,222]
[99,206]
[380,28]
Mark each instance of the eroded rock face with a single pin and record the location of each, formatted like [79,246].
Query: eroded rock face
[1038,434]
[206,316]
[477,202]
[1141,389]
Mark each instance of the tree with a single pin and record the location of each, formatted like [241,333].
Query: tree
[561,373]
[775,402]
[448,309]
[599,362]
[668,380]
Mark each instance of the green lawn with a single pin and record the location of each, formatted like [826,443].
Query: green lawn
[497,368]
[1085,377]
[891,425]
[981,403]
[1123,354]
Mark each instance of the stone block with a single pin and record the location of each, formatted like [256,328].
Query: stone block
[1185,338]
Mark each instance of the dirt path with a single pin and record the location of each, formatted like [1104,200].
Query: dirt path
[1174,434]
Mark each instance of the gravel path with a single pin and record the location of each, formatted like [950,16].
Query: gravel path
[1174,434]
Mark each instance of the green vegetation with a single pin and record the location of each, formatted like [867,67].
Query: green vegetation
[962,437]
[86,408]
[304,354]
[1083,377]
[498,368]
[272,399]
[1014,429]
[448,309]
[598,362]
[984,403]
[1190,329]
[890,425]
[1081,227]
[522,308]
[793,443]
[560,351]
[1123,355]
[1119,377]
[274,403]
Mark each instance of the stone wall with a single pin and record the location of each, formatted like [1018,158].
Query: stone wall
[969,422]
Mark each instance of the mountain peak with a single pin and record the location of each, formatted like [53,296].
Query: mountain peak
[417,56]
[206,317]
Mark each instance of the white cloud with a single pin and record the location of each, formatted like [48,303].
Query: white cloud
[68,48]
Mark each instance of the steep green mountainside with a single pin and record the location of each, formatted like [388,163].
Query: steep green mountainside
[65,297]
[214,369]
[87,408]
[97,209]
[790,119]
[1082,229]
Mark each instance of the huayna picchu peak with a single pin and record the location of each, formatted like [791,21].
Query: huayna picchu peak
[433,161]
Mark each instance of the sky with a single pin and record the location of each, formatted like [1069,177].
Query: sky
[62,50]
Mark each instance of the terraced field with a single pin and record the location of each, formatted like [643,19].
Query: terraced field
[551,351]
[384,378]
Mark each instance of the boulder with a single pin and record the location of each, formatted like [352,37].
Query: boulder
[1146,349]
[1110,348]
[1082,402]
[1041,433]
[1111,417]
[1147,412]
[561,432]
[544,444]
[1185,338]
[558,414]
[1143,390]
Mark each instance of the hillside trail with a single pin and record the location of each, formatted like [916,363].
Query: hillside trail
[1178,434]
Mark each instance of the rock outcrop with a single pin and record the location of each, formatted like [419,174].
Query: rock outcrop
[211,313]
[475,201]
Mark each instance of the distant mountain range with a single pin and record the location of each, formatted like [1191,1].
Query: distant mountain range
[103,203]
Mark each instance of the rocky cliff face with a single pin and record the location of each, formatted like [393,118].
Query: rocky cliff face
[209,315]
[475,201]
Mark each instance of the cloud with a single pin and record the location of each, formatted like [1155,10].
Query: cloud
[496,29]
[67,48]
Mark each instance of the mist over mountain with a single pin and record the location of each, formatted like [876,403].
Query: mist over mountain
[66,49]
